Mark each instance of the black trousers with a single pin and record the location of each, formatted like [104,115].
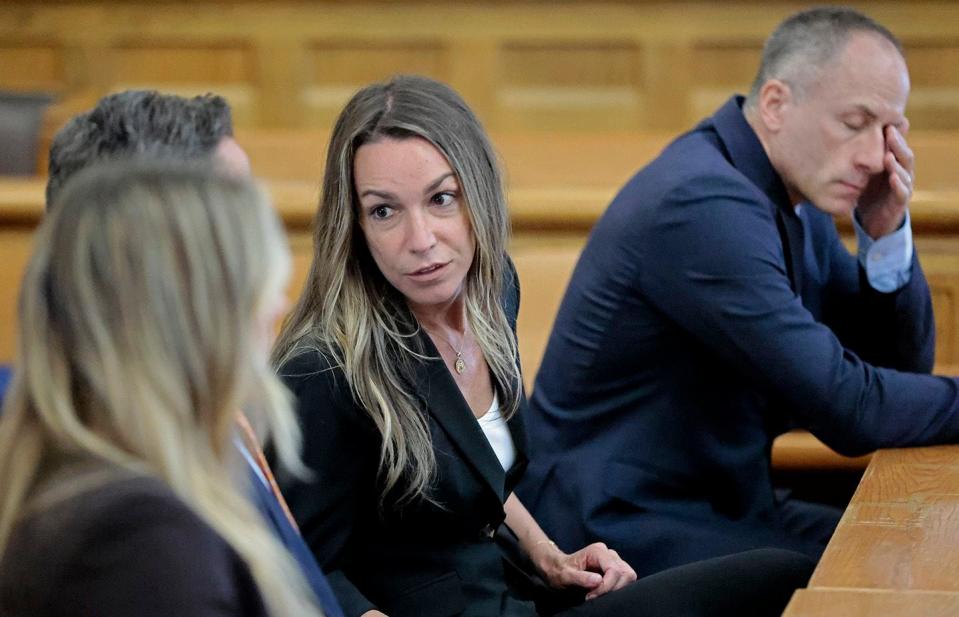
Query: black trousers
[757,583]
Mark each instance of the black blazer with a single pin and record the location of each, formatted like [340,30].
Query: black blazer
[129,546]
[424,559]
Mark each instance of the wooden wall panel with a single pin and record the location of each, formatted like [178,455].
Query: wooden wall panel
[336,69]
[31,67]
[934,70]
[572,66]
[940,261]
[16,245]
[579,84]
[189,69]
[721,67]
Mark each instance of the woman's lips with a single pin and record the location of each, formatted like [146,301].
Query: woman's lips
[428,271]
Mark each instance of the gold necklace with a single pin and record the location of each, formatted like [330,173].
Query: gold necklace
[459,364]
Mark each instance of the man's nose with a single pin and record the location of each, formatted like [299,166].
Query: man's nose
[871,150]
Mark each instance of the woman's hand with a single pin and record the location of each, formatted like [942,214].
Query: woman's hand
[595,567]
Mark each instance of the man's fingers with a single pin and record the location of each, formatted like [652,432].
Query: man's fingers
[902,189]
[900,149]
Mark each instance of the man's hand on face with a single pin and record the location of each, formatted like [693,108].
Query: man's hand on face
[883,204]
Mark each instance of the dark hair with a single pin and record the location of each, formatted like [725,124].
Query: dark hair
[805,42]
[138,122]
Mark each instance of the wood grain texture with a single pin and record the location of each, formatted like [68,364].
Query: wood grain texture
[901,529]
[871,603]
[571,66]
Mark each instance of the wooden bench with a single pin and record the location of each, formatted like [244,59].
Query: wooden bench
[564,181]
[896,549]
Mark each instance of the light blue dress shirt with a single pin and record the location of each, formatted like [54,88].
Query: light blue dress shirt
[888,260]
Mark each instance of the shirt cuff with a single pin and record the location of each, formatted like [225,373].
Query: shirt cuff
[888,260]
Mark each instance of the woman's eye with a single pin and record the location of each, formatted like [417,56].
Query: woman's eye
[381,212]
[443,199]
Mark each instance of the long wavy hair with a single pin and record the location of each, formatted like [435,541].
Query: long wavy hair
[348,310]
[137,349]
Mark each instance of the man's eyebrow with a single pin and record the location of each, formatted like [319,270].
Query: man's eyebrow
[860,108]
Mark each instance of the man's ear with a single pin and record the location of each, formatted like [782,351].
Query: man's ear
[775,99]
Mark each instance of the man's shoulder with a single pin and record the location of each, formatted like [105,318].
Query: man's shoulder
[697,162]
[695,172]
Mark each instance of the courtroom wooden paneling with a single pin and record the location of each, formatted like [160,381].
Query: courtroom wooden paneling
[581,66]
[871,603]
[32,66]
[15,247]
[566,179]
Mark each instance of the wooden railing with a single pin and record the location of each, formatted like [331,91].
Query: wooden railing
[896,550]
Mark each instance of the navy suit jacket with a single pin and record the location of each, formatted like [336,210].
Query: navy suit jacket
[291,539]
[704,318]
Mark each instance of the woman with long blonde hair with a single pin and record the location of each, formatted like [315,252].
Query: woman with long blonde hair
[402,356]
[145,322]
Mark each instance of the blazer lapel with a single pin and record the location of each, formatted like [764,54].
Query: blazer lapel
[791,231]
[517,428]
[748,156]
[447,405]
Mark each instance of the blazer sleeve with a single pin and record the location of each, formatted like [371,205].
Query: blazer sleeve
[148,554]
[341,449]
[714,265]
[894,330]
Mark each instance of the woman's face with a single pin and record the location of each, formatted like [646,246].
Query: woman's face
[413,216]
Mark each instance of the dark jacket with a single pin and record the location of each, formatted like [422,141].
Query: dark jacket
[127,547]
[277,521]
[425,559]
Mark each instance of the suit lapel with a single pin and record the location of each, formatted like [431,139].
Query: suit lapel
[748,156]
[791,231]
[446,404]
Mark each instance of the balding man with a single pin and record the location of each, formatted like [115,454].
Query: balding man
[714,307]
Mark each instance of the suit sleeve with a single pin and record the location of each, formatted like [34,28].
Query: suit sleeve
[893,330]
[340,448]
[150,555]
[714,264]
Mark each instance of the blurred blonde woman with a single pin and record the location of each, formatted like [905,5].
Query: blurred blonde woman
[145,318]
[402,356]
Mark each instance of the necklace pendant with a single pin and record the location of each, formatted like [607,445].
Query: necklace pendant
[459,365]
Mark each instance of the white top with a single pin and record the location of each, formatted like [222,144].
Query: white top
[498,435]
